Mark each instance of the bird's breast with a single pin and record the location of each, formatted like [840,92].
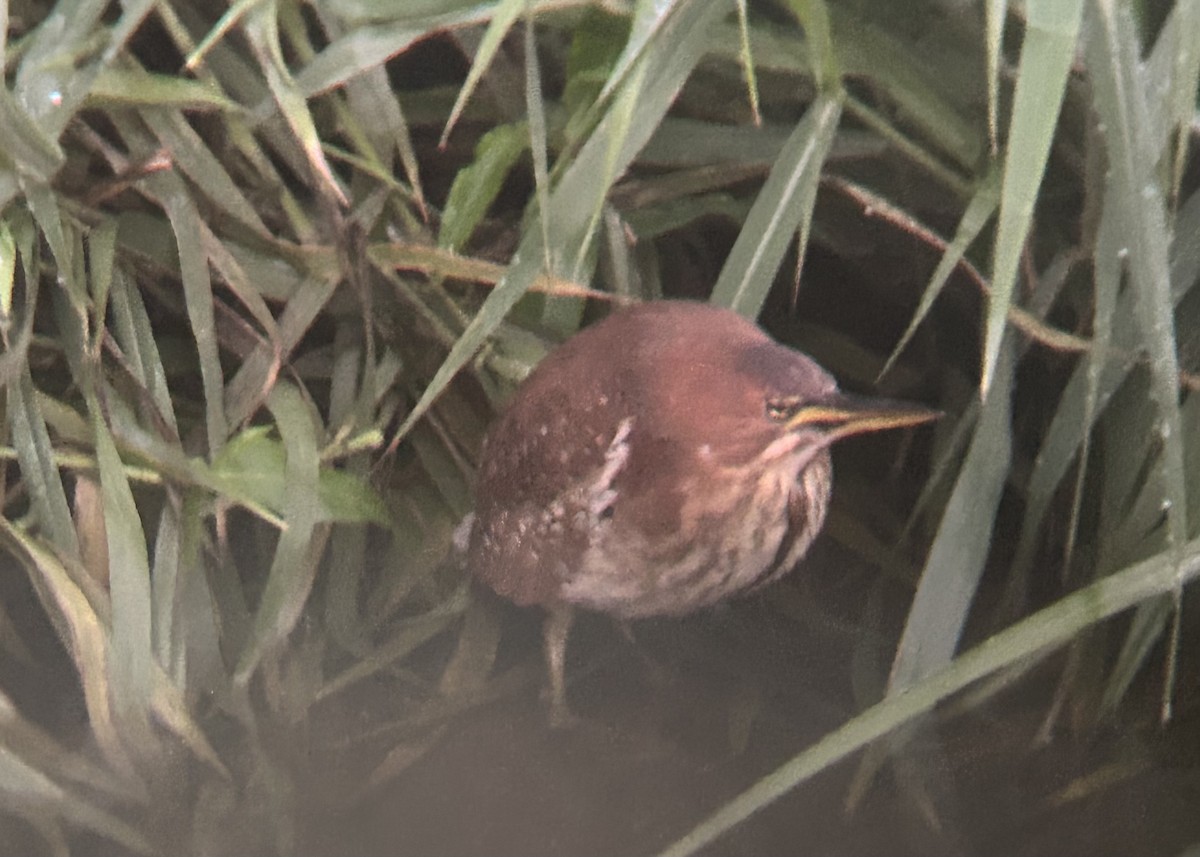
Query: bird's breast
[735,529]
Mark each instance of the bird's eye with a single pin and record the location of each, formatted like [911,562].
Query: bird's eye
[781,408]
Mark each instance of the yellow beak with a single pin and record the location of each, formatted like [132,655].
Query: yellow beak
[842,415]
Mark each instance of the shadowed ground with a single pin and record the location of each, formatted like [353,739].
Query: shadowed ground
[704,706]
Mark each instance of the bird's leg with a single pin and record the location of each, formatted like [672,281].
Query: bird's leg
[554,636]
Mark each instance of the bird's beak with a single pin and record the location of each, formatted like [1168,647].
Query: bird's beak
[841,415]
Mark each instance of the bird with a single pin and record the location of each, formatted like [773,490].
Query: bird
[662,460]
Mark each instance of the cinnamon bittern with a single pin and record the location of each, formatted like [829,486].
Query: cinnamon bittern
[665,459]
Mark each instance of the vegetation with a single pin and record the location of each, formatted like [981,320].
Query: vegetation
[264,271]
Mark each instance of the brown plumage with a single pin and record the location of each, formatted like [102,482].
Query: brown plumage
[665,459]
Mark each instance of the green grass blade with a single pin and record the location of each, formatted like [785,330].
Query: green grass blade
[649,19]
[131,659]
[262,29]
[748,63]
[1175,59]
[818,37]
[251,469]
[136,87]
[198,295]
[35,453]
[188,632]
[406,637]
[961,546]
[18,224]
[134,332]
[535,111]
[27,789]
[192,157]
[476,185]
[783,205]
[84,635]
[899,68]
[252,383]
[1036,636]
[619,127]
[376,107]
[995,11]
[504,15]
[171,712]
[8,274]
[1061,440]
[1144,632]
[59,761]
[165,584]
[978,212]
[1051,31]
[581,190]
[369,46]
[1106,261]
[1140,206]
[25,143]
[295,564]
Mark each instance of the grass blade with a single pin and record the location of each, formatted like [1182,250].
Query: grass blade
[132,655]
[1036,636]
[1051,31]
[1139,201]
[198,295]
[504,15]
[978,212]
[579,193]
[84,635]
[295,564]
[960,548]
[783,205]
